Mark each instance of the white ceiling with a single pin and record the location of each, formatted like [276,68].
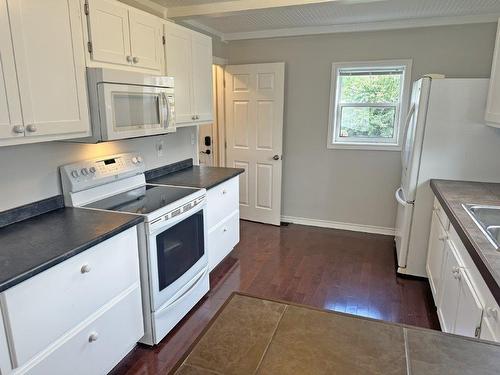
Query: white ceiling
[337,14]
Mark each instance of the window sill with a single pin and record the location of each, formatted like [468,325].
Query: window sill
[364,146]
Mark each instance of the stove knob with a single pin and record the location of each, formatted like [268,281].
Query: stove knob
[92,170]
[85,171]
[135,160]
[74,173]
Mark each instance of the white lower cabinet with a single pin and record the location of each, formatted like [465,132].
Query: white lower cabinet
[81,316]
[223,218]
[465,305]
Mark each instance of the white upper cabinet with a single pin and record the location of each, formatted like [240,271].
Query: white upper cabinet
[49,60]
[493,105]
[188,57]
[202,77]
[121,35]
[11,121]
[178,60]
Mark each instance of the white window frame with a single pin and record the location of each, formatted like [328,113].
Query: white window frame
[393,144]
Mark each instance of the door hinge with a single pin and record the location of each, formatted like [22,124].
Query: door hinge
[225,144]
[86,8]
[89,46]
[477,332]
[163,39]
[224,83]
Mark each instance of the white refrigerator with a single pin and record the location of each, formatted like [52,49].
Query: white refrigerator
[445,137]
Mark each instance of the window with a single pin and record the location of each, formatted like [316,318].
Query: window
[367,104]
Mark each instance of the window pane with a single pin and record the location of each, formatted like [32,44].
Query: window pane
[370,88]
[367,122]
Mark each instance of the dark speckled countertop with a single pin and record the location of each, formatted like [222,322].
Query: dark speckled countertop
[31,246]
[197,176]
[451,195]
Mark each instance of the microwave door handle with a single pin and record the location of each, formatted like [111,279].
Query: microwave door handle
[164,110]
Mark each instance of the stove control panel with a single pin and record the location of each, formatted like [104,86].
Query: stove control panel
[99,171]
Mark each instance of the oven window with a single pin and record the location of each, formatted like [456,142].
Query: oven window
[133,109]
[179,248]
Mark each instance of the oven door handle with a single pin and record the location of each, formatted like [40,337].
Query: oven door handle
[194,284]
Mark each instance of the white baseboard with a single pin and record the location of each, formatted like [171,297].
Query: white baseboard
[338,225]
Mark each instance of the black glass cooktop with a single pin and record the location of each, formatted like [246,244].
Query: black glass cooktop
[143,200]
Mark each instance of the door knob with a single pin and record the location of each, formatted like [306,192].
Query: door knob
[276,157]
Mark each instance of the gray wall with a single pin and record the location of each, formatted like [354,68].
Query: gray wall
[345,185]
[30,172]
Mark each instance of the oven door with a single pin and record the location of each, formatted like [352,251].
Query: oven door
[177,254]
[128,111]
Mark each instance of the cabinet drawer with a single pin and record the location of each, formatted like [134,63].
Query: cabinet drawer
[222,200]
[41,309]
[438,209]
[115,332]
[223,238]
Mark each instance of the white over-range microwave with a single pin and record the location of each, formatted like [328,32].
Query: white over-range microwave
[129,105]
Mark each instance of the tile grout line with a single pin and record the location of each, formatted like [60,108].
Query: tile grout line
[407,351]
[270,340]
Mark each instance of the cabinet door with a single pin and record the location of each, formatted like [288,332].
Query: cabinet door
[178,64]
[109,32]
[493,104]
[202,77]
[469,310]
[145,40]
[448,303]
[435,254]
[10,106]
[47,39]
[489,329]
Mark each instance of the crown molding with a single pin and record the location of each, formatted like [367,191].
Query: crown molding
[366,26]
[202,27]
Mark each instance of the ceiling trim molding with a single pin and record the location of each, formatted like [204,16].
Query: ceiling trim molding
[148,6]
[366,26]
[236,6]
[202,27]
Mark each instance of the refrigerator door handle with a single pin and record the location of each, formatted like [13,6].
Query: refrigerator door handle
[405,131]
[400,198]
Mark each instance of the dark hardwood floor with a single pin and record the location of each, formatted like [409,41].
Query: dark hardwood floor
[327,268]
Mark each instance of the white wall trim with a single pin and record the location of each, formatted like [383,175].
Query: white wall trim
[338,225]
[366,26]
[219,60]
[148,6]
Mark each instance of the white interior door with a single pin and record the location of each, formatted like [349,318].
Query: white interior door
[254,136]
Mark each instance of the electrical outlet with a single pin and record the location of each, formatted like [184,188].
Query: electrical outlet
[160,148]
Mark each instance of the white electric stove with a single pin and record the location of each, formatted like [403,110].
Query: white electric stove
[172,239]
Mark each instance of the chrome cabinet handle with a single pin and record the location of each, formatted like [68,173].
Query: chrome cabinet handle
[31,128]
[276,157]
[18,129]
[135,60]
[129,59]
[93,337]
[85,268]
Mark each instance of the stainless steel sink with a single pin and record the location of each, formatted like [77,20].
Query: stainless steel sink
[487,218]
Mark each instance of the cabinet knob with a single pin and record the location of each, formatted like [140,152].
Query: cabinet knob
[276,157]
[85,268]
[224,191]
[193,117]
[224,230]
[18,129]
[135,60]
[490,311]
[31,128]
[129,59]
[443,237]
[93,337]
[197,117]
